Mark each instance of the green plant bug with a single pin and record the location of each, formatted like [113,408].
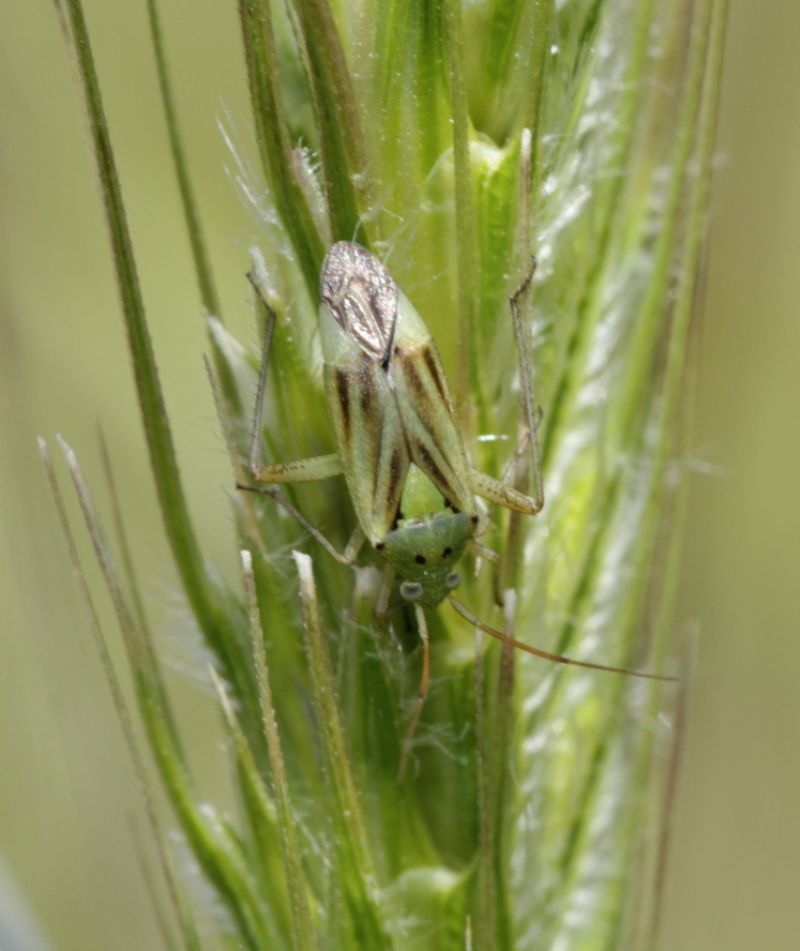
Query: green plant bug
[399,448]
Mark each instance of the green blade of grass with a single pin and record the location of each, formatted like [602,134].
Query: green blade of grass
[468,379]
[302,926]
[273,140]
[178,898]
[339,126]
[357,868]
[216,849]
[175,514]
[194,230]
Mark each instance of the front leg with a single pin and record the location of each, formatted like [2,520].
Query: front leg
[313,469]
[347,557]
[531,418]
[502,493]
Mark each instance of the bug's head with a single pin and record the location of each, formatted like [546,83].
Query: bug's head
[425,552]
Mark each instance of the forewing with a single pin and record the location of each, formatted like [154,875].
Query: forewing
[371,443]
[386,389]
[426,408]
[367,424]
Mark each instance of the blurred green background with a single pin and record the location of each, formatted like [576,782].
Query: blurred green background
[70,814]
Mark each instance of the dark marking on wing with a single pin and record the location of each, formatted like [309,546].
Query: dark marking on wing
[433,369]
[376,469]
[344,400]
[394,474]
[386,492]
[413,378]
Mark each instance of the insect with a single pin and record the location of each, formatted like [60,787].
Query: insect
[399,448]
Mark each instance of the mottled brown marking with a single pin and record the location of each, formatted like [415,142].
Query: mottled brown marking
[413,378]
[361,296]
[433,369]
[344,400]
[394,475]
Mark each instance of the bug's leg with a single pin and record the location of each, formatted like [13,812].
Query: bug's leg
[347,557]
[502,493]
[521,449]
[312,469]
[481,551]
[354,545]
[385,590]
[258,411]
[301,470]
[475,621]
[422,691]
[532,418]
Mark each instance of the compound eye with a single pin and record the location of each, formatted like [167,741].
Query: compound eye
[411,590]
[453,580]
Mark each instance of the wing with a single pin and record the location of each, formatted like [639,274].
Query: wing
[426,408]
[357,319]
